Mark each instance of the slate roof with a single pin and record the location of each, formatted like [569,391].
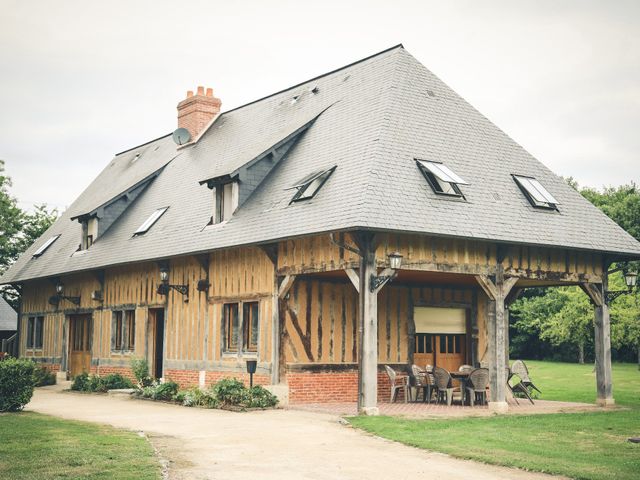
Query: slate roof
[379,115]
[8,316]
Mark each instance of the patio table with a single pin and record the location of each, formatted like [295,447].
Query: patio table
[463,378]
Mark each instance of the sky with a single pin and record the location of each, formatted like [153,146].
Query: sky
[82,81]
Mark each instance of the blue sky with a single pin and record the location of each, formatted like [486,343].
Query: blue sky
[82,81]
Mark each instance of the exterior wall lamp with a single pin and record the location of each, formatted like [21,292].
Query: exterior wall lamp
[395,261]
[631,279]
[164,287]
[55,300]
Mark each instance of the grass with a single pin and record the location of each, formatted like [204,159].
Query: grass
[578,445]
[38,446]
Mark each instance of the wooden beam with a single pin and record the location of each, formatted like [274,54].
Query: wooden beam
[354,277]
[594,293]
[487,285]
[285,285]
[602,341]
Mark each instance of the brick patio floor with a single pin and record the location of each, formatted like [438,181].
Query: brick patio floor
[433,410]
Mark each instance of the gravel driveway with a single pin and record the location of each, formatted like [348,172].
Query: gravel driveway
[274,444]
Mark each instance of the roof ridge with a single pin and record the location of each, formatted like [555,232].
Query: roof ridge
[386,50]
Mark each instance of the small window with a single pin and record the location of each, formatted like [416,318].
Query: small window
[241,327]
[250,327]
[231,327]
[46,245]
[225,197]
[308,187]
[441,178]
[123,331]
[35,332]
[424,343]
[89,232]
[537,195]
[148,223]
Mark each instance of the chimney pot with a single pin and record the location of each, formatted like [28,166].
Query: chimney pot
[196,111]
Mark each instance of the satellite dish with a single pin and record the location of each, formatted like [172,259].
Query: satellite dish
[181,136]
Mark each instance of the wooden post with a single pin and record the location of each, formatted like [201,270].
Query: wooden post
[278,365]
[497,338]
[368,331]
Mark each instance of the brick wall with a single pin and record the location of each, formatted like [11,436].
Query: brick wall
[190,378]
[321,387]
[103,370]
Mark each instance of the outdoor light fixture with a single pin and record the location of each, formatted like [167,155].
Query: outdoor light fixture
[631,279]
[251,369]
[164,287]
[203,285]
[395,261]
[55,300]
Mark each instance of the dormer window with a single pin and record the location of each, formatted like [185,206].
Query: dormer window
[225,200]
[45,245]
[537,195]
[441,178]
[149,222]
[308,187]
[89,232]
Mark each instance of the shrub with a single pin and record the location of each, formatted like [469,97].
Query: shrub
[230,392]
[93,383]
[140,368]
[114,381]
[42,376]
[260,397]
[81,382]
[195,397]
[16,383]
[165,391]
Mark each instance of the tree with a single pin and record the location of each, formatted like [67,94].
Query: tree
[11,222]
[18,230]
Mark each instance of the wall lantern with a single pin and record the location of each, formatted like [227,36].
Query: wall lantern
[251,369]
[395,261]
[55,300]
[164,287]
[203,285]
[631,279]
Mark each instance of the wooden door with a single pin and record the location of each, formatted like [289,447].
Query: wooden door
[79,344]
[156,342]
[449,350]
[424,352]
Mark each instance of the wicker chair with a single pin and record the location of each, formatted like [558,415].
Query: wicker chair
[525,385]
[443,384]
[398,382]
[423,380]
[477,385]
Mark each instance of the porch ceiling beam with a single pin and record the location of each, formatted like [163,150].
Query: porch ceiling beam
[285,285]
[354,277]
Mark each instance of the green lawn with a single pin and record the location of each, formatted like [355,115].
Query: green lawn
[38,446]
[579,445]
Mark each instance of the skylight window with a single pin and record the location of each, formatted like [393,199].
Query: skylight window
[46,245]
[537,195]
[309,185]
[442,179]
[148,223]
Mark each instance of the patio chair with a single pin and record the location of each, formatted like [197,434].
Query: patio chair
[398,382]
[422,381]
[477,385]
[443,385]
[509,387]
[525,385]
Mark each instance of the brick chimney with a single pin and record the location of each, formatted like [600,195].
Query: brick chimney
[196,111]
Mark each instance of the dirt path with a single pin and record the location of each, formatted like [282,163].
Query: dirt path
[280,444]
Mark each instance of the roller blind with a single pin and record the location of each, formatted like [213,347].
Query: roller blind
[440,320]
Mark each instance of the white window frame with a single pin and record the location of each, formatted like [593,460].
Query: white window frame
[150,221]
[309,186]
[537,194]
[43,248]
[442,179]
